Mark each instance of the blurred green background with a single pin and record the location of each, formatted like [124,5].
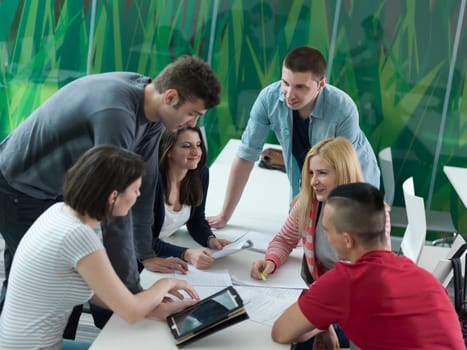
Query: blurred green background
[403,62]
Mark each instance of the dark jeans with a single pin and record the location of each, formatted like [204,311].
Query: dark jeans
[307,345]
[18,211]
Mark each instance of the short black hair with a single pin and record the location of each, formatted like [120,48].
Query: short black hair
[97,173]
[359,209]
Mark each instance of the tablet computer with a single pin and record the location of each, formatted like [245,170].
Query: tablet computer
[209,315]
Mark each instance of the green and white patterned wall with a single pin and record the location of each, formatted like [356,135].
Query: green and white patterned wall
[403,61]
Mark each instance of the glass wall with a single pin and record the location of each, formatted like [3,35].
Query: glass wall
[403,62]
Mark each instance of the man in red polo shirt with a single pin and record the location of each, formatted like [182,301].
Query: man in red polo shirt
[382,301]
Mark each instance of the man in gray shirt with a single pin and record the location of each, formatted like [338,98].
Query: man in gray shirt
[121,108]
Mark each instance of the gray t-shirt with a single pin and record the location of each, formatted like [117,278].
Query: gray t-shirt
[97,109]
[44,285]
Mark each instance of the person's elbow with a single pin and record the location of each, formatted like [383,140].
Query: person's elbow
[279,336]
[131,313]
[132,320]
[131,317]
[291,326]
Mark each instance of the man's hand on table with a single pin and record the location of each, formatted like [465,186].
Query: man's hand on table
[165,265]
[217,221]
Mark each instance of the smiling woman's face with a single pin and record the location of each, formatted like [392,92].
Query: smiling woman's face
[186,151]
[323,177]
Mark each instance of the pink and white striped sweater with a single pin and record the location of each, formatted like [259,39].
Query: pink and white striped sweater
[290,235]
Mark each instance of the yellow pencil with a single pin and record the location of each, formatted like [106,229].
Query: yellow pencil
[263,277]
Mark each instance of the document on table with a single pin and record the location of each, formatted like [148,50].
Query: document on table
[272,281]
[286,276]
[205,283]
[219,278]
[234,247]
[260,240]
[265,305]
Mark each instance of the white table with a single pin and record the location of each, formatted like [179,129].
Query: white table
[264,204]
[458,178]
[263,208]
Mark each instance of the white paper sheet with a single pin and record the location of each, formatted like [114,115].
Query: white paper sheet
[234,247]
[265,305]
[260,240]
[219,278]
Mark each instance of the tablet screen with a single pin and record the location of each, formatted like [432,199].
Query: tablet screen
[206,312]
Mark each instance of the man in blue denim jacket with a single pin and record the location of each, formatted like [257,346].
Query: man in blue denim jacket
[302,110]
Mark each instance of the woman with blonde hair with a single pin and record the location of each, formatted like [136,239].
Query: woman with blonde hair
[329,163]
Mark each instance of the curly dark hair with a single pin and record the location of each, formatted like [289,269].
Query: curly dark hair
[192,78]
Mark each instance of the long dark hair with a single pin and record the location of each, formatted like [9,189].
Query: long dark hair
[191,188]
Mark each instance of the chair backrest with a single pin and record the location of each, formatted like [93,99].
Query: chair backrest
[387,172]
[415,234]
[443,269]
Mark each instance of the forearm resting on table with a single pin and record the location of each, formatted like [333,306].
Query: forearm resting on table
[292,326]
[100,276]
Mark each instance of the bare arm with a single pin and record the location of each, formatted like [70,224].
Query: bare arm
[239,174]
[292,326]
[98,273]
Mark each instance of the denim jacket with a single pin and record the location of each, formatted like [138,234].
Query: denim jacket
[334,114]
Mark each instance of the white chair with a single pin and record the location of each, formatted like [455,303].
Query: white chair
[436,221]
[398,214]
[415,233]
[443,268]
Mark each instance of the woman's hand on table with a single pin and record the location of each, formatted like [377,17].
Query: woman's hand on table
[199,258]
[262,268]
[168,308]
[169,290]
[178,285]
[217,243]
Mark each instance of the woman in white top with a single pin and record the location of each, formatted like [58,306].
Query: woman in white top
[180,199]
[61,262]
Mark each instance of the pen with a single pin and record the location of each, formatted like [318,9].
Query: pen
[263,277]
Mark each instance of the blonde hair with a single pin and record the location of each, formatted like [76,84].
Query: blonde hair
[340,154]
